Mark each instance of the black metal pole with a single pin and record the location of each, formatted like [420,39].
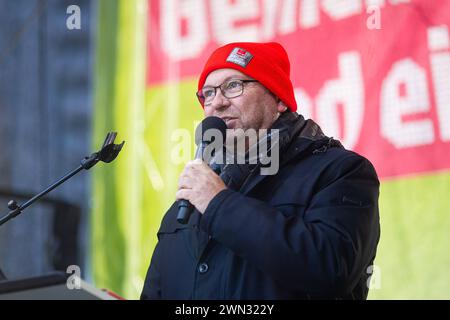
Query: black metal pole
[107,153]
[16,210]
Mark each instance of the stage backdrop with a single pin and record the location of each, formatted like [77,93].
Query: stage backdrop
[374,74]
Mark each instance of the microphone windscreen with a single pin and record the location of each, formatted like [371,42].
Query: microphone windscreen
[209,123]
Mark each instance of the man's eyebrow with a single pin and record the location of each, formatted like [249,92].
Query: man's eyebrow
[235,77]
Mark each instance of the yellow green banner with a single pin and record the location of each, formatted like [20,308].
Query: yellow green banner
[157,120]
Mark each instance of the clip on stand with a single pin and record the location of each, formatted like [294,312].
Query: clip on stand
[107,154]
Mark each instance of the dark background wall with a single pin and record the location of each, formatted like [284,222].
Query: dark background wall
[45,130]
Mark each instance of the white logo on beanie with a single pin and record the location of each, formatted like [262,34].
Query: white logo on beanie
[240,57]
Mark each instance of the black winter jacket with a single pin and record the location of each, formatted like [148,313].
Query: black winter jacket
[308,232]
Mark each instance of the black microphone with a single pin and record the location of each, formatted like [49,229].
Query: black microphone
[202,141]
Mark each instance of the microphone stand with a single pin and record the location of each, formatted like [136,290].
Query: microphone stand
[108,153]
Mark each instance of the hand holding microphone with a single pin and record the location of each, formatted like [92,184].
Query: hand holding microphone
[198,183]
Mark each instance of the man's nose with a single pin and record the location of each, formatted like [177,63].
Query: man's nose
[220,101]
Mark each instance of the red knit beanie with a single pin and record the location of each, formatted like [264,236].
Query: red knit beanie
[266,62]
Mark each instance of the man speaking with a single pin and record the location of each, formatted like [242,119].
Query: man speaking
[308,231]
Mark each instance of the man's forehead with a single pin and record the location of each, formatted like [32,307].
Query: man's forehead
[218,76]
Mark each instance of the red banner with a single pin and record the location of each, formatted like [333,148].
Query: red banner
[374,74]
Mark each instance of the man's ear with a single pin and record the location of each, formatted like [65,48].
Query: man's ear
[281,106]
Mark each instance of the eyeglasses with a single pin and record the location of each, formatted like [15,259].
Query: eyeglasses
[230,89]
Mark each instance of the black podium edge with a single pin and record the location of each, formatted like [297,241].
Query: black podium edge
[16,285]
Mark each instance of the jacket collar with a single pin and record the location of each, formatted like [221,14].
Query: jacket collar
[298,138]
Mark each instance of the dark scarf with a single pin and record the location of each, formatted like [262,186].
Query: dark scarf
[291,126]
